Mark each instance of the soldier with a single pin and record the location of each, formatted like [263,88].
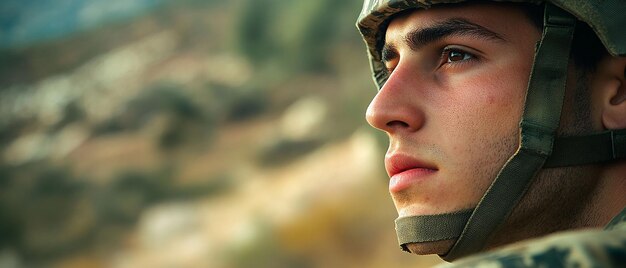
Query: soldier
[507,128]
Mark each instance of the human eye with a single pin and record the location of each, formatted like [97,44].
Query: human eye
[455,55]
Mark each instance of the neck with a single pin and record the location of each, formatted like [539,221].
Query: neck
[609,199]
[564,199]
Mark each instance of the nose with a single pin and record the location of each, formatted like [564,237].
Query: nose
[396,107]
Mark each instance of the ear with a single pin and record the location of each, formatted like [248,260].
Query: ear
[613,93]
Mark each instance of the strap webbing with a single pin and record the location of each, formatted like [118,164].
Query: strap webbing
[544,100]
[590,149]
[427,228]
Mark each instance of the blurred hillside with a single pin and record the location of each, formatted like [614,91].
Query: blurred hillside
[197,134]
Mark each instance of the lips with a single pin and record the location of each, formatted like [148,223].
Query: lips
[404,171]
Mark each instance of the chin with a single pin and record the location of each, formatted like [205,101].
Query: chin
[427,248]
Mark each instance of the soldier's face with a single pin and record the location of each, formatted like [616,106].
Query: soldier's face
[452,104]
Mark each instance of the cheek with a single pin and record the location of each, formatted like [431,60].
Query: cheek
[501,96]
[483,122]
[488,105]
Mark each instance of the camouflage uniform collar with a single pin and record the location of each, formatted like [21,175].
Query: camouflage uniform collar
[619,219]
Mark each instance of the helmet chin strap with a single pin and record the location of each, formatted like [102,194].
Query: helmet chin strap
[542,113]
[544,101]
[595,148]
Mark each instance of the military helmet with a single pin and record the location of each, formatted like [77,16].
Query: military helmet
[539,146]
[606,18]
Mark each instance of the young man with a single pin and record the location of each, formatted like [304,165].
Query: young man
[503,127]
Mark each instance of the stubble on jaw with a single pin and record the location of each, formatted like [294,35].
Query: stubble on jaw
[558,198]
[487,167]
[478,173]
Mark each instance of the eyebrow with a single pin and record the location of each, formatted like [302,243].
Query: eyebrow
[421,37]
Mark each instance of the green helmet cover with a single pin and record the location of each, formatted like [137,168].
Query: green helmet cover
[606,18]
[539,147]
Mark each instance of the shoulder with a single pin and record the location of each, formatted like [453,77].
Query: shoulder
[583,248]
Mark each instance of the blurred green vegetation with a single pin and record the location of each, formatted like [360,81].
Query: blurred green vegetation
[204,105]
[295,35]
